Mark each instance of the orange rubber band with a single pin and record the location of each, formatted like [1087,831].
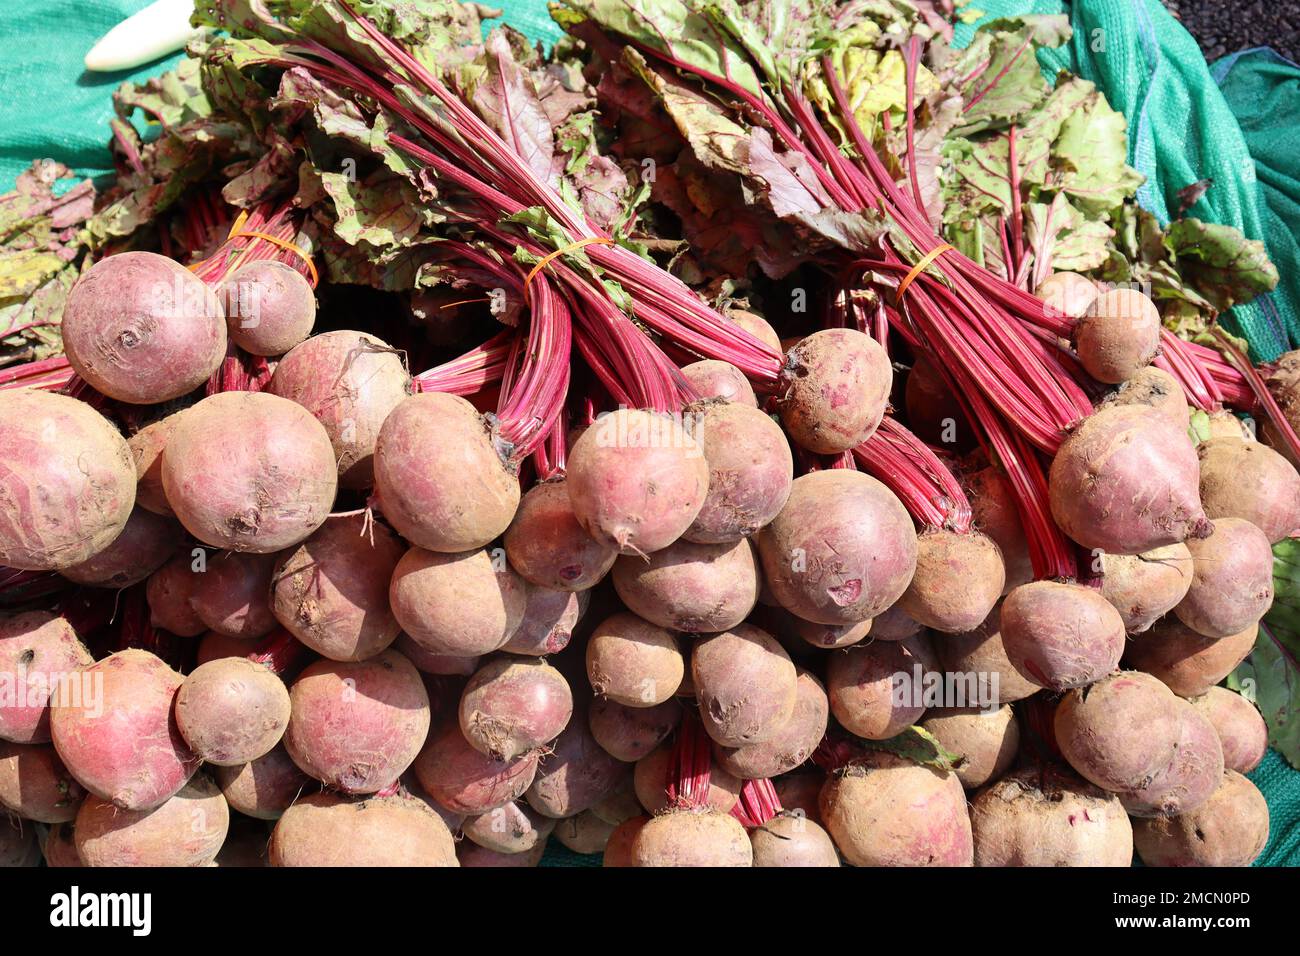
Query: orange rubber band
[917,269]
[551,256]
[286,245]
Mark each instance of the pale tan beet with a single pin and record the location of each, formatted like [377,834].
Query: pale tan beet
[834,389]
[791,839]
[146,447]
[1232,579]
[464,781]
[887,811]
[988,742]
[750,472]
[1155,389]
[714,379]
[1241,729]
[39,652]
[331,592]
[842,550]
[637,480]
[620,803]
[357,726]
[757,326]
[629,733]
[460,605]
[514,704]
[549,620]
[18,844]
[618,847]
[1118,335]
[634,662]
[692,838]
[35,785]
[60,847]
[1186,662]
[1223,423]
[214,646]
[549,548]
[832,636]
[114,729]
[1284,383]
[800,792]
[170,593]
[893,624]
[981,655]
[511,828]
[1067,294]
[585,833]
[67,481]
[933,412]
[958,579]
[994,513]
[1249,480]
[1130,735]
[1144,587]
[232,710]
[249,471]
[1126,481]
[794,741]
[232,594]
[325,829]
[864,682]
[269,307]
[653,772]
[442,482]
[1228,829]
[471,854]
[1061,635]
[700,588]
[431,663]
[264,788]
[144,546]
[1048,816]
[186,830]
[575,776]
[745,683]
[142,328]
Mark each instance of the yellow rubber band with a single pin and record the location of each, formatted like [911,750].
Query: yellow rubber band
[917,269]
[287,246]
[237,224]
[551,256]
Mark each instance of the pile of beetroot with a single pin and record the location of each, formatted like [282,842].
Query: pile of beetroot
[637,574]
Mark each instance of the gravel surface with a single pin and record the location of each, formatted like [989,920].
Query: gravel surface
[1226,26]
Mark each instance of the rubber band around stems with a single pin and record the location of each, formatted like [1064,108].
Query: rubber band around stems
[552,256]
[920,267]
[236,233]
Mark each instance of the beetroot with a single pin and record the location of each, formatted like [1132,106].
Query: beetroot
[893,624]
[791,839]
[428,448]
[264,788]
[39,655]
[1061,635]
[144,546]
[357,726]
[987,742]
[618,847]
[331,592]
[549,620]
[793,742]
[835,384]
[1241,729]
[514,704]
[958,579]
[249,471]
[691,587]
[629,733]
[185,830]
[750,472]
[18,845]
[142,328]
[59,848]
[983,654]
[327,830]
[655,771]
[1154,389]
[465,781]
[1144,587]
[460,605]
[471,854]
[714,379]
[1067,294]
[1245,479]
[350,382]
[994,512]
[746,685]
[1186,662]
[170,593]
[575,776]
[637,480]
[430,663]
[841,550]
[214,647]
[118,736]
[146,448]
[634,662]
[1232,579]
[1229,829]
[585,833]
[1118,335]
[269,307]
[36,785]
[1125,481]
[933,413]
[755,325]
[231,711]
[873,688]
[510,828]
[548,547]
[232,595]
[692,838]
[67,481]
[830,636]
